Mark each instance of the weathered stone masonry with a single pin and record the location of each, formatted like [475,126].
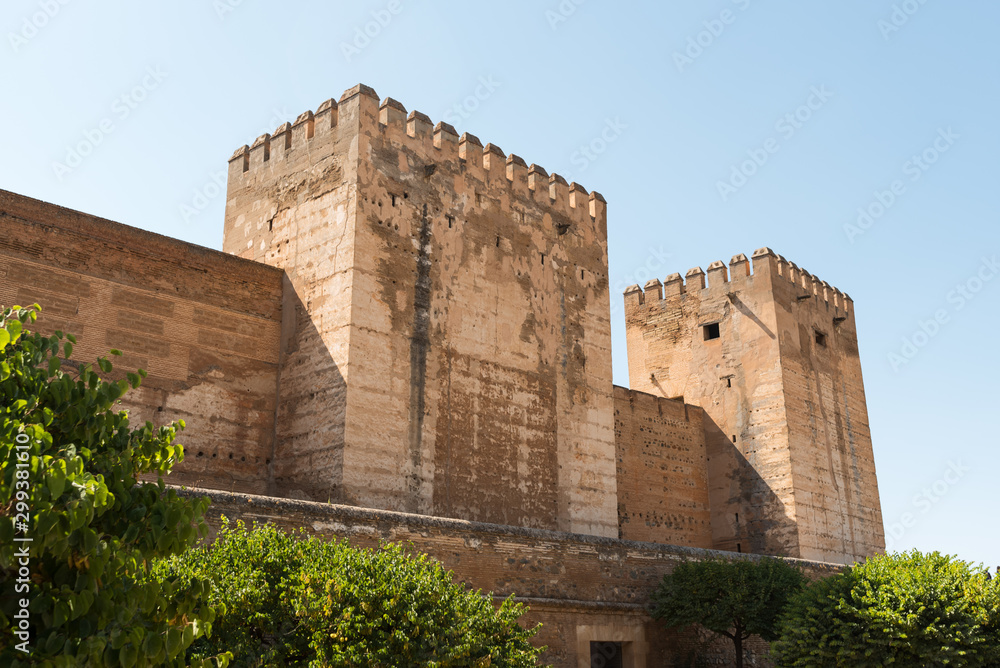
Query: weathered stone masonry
[415,328]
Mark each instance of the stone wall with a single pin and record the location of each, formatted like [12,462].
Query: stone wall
[204,325]
[583,588]
[291,204]
[662,470]
[838,510]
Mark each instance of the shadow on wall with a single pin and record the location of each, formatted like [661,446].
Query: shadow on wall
[308,461]
[747,516]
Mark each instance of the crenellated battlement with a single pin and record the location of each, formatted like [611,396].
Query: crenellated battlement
[439,143]
[719,276]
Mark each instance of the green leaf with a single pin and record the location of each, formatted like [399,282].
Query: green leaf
[55,478]
[14,330]
[127,656]
[173,644]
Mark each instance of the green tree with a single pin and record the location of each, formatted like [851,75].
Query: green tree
[78,529]
[735,598]
[909,609]
[295,600]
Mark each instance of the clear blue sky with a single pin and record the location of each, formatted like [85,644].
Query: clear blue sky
[667,122]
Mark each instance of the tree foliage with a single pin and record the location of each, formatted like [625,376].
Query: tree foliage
[293,599]
[909,609]
[734,598]
[69,482]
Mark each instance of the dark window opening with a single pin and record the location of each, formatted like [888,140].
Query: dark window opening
[451,220]
[605,655]
[737,518]
[712,331]
[498,242]
[543,259]
[406,195]
[729,382]
[581,274]
[739,548]
[821,339]
[734,438]
[393,197]
[270,225]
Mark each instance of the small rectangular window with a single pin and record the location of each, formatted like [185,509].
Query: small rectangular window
[820,339]
[712,331]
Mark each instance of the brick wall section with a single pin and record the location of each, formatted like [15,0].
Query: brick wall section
[204,325]
[662,470]
[570,581]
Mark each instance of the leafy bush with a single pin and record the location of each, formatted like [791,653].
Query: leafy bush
[69,466]
[908,609]
[292,599]
[733,598]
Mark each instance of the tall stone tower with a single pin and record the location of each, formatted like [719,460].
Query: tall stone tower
[772,357]
[446,345]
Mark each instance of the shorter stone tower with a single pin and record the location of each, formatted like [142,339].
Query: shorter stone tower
[772,358]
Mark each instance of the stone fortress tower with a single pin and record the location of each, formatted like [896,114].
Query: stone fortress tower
[449,347]
[772,358]
[408,338]
[405,320]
